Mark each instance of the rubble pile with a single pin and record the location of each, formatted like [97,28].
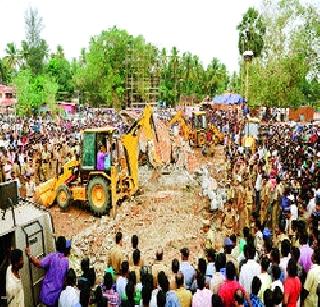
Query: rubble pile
[165,215]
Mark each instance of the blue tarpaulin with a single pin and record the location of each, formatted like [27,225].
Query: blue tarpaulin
[228,99]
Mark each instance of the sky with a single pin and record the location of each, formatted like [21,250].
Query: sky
[204,27]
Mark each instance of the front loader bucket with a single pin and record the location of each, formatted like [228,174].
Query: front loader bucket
[45,193]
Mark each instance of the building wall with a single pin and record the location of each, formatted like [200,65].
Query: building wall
[301,113]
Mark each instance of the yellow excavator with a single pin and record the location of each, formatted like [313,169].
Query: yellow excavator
[196,134]
[103,184]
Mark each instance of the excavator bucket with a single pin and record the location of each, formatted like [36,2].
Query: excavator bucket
[45,193]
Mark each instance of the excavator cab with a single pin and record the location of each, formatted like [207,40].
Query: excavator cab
[199,120]
[200,125]
[96,148]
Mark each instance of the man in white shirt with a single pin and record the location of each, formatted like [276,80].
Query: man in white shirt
[285,253]
[70,297]
[249,270]
[14,287]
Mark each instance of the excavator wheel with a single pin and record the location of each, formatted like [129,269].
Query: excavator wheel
[63,197]
[99,195]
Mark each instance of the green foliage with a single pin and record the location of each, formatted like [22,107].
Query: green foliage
[60,69]
[287,73]
[34,49]
[33,91]
[251,32]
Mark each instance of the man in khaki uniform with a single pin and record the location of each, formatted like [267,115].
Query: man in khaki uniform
[54,163]
[264,200]
[45,163]
[210,235]
[36,167]
[116,255]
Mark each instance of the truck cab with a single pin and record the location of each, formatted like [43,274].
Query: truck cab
[23,223]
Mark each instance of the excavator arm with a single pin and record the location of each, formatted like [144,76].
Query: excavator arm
[179,119]
[130,142]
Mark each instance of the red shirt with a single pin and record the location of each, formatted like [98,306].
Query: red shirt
[227,291]
[292,287]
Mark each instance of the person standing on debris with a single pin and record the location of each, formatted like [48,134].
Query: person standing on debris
[135,246]
[14,287]
[116,255]
[56,266]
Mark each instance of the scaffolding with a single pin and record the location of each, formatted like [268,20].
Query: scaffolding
[142,79]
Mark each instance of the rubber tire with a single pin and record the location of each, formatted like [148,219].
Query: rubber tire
[105,209]
[64,206]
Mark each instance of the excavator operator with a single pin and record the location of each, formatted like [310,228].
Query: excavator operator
[103,157]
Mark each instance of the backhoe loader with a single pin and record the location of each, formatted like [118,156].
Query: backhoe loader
[196,134]
[104,185]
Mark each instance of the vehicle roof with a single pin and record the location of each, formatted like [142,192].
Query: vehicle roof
[106,129]
[24,214]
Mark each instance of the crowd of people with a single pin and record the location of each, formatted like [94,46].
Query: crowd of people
[33,150]
[269,222]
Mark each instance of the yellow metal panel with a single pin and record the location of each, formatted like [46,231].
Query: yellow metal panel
[79,193]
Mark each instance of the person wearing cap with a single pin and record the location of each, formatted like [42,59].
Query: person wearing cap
[57,266]
[186,268]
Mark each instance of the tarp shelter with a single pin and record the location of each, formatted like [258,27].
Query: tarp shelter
[228,99]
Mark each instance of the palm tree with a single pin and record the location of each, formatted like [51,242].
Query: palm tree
[12,56]
[60,51]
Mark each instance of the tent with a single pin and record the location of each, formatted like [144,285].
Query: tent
[228,99]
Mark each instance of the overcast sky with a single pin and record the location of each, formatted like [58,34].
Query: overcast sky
[204,27]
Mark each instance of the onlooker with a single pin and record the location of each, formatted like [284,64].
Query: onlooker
[276,273]
[292,285]
[186,268]
[312,281]
[175,269]
[211,257]
[147,287]
[254,298]
[203,296]
[70,297]
[116,255]
[230,286]
[112,296]
[264,277]
[56,266]
[249,270]
[216,301]
[135,246]
[239,299]
[135,267]
[123,279]
[14,287]
[268,298]
[158,266]
[218,278]
[184,296]
[306,252]
[86,282]
[285,252]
